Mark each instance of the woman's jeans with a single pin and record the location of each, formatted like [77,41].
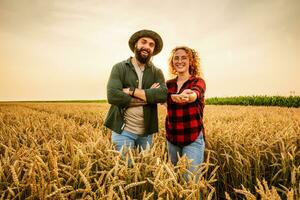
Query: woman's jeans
[131,140]
[193,151]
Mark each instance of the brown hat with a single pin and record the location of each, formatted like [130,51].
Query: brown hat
[146,33]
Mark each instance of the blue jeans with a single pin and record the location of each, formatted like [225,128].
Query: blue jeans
[193,151]
[130,140]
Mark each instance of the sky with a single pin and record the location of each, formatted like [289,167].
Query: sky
[65,49]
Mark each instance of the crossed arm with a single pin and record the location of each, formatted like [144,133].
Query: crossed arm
[139,98]
[122,97]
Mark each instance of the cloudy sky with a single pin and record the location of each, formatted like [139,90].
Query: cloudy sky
[64,49]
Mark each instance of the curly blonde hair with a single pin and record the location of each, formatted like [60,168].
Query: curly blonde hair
[194,68]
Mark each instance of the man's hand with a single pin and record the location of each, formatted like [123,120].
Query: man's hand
[155,85]
[126,91]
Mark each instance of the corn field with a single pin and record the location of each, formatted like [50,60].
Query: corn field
[63,151]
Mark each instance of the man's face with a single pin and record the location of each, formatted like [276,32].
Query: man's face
[144,48]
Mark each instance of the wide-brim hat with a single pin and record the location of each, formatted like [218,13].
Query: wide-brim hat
[146,33]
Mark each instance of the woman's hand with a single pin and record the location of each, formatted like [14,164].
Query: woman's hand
[191,94]
[187,96]
[180,98]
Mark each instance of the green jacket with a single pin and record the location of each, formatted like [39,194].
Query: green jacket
[123,75]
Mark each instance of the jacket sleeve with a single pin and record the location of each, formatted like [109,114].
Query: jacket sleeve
[157,95]
[115,94]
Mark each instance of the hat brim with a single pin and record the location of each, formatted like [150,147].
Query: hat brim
[146,33]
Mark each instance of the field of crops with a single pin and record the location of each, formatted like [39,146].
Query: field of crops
[62,151]
[282,101]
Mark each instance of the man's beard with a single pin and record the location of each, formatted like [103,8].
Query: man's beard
[142,58]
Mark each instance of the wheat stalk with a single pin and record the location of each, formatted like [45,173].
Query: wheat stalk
[14,176]
[131,185]
[86,182]
[59,191]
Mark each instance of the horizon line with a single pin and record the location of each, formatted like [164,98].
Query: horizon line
[105,100]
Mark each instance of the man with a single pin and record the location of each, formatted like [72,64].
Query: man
[134,88]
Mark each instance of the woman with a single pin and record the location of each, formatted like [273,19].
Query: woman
[185,104]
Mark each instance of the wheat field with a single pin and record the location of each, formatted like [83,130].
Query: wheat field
[63,151]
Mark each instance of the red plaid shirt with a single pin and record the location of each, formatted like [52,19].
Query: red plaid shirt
[184,122]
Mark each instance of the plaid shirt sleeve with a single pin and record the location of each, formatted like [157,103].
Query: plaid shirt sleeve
[199,88]
[184,122]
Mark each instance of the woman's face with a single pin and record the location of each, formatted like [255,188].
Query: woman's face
[181,61]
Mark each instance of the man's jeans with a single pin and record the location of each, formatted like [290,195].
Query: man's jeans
[193,151]
[131,140]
